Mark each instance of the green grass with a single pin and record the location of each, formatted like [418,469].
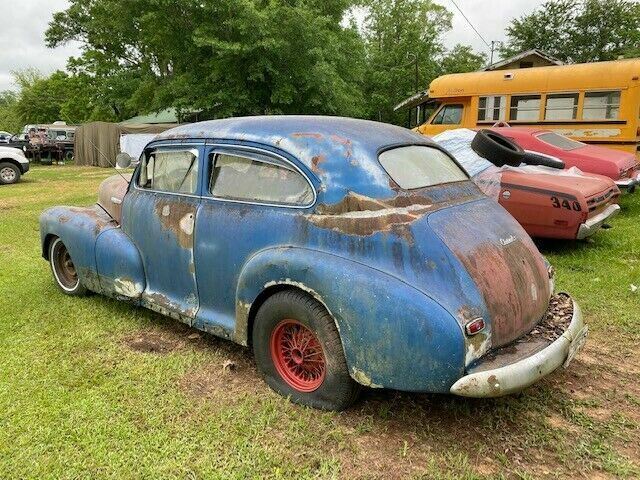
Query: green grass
[80,397]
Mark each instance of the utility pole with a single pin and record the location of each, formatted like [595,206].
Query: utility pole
[493,42]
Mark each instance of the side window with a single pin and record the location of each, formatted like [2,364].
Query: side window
[170,171]
[601,106]
[492,109]
[258,179]
[525,108]
[561,106]
[448,115]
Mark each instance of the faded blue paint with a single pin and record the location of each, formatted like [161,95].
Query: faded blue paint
[397,288]
[119,265]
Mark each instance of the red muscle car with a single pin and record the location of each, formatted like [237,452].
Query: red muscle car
[621,167]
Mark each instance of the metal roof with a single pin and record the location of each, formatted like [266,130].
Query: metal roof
[341,152]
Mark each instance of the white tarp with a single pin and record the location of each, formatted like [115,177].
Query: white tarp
[458,143]
[484,173]
[134,143]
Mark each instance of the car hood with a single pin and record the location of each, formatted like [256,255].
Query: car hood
[567,182]
[622,160]
[11,151]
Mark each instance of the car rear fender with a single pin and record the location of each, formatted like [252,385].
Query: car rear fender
[393,335]
[78,228]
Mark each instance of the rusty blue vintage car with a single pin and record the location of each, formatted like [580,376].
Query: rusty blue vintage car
[343,252]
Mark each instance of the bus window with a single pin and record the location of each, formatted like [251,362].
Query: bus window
[448,115]
[561,106]
[601,106]
[492,109]
[525,108]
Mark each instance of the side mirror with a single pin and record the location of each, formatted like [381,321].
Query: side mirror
[123,160]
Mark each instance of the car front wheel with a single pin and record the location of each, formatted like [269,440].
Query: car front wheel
[298,351]
[64,270]
[9,173]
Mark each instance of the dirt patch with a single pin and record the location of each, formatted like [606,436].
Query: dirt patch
[226,380]
[153,342]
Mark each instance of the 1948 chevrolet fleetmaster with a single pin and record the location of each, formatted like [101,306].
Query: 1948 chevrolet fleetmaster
[344,252]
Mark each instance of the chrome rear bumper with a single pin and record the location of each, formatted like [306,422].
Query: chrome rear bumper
[519,375]
[628,184]
[592,225]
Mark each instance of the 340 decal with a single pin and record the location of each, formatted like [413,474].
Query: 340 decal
[557,203]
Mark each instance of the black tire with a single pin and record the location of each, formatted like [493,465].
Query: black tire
[68,155]
[9,173]
[63,270]
[531,158]
[497,148]
[337,389]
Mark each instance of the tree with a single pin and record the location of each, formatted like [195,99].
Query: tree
[462,59]
[399,34]
[9,119]
[585,31]
[227,57]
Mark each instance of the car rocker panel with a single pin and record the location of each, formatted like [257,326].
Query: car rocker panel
[403,273]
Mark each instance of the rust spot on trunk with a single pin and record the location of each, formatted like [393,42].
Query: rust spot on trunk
[315,163]
[317,136]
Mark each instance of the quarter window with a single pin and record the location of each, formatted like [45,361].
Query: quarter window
[525,108]
[448,115]
[170,171]
[601,106]
[492,109]
[561,106]
[258,179]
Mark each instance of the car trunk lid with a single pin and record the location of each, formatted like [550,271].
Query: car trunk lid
[503,261]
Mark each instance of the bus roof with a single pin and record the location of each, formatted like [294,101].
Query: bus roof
[618,74]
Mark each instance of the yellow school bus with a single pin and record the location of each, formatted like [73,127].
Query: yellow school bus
[596,103]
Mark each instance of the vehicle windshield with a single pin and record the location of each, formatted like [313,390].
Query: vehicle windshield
[420,166]
[560,141]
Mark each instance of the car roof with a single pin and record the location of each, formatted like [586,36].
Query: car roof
[341,152]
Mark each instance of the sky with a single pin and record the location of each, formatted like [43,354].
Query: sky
[25,21]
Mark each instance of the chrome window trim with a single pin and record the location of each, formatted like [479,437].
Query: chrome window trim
[178,194]
[267,153]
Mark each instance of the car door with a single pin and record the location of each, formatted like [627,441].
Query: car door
[159,215]
[252,199]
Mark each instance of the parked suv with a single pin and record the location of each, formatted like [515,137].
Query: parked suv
[13,164]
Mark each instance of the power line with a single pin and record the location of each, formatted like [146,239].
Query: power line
[471,24]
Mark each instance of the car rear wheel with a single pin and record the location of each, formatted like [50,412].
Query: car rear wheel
[9,173]
[299,353]
[64,270]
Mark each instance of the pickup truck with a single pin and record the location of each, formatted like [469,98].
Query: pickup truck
[13,164]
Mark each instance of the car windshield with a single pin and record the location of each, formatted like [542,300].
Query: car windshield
[560,141]
[420,166]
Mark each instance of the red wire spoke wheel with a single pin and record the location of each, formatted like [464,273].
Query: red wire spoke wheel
[299,352]
[298,356]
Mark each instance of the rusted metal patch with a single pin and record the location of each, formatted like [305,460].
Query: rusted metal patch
[111,194]
[360,215]
[179,218]
[316,161]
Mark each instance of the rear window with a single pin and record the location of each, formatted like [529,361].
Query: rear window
[560,141]
[418,167]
